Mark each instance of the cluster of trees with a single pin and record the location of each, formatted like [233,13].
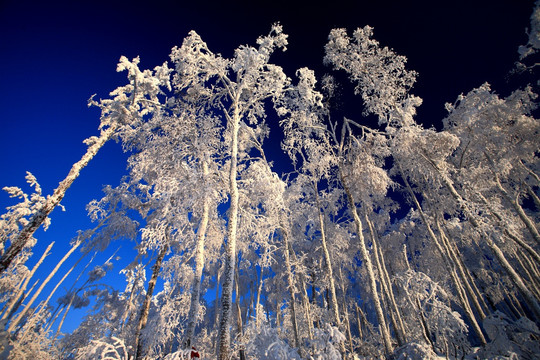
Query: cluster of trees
[314,263]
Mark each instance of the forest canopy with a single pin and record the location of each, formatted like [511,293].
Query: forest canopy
[378,237]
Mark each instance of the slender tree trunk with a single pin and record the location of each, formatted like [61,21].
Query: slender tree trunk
[143,316]
[346,312]
[39,217]
[448,263]
[216,301]
[369,267]
[199,266]
[423,322]
[532,173]
[458,265]
[12,308]
[230,247]
[258,301]
[216,308]
[20,300]
[46,302]
[43,284]
[278,317]
[291,288]
[395,314]
[72,297]
[525,292]
[532,268]
[517,207]
[304,295]
[360,332]
[532,284]
[533,195]
[510,234]
[239,322]
[332,287]
[249,307]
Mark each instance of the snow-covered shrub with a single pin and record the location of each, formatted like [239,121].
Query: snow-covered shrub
[31,341]
[325,344]
[423,294]
[264,343]
[106,349]
[182,354]
[509,339]
[415,351]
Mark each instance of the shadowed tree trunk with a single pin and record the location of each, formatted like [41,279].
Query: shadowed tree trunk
[143,317]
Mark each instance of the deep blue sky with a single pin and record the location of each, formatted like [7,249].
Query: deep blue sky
[55,55]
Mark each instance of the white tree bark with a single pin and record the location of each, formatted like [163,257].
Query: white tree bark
[395,314]
[52,201]
[11,308]
[199,266]
[328,262]
[291,288]
[230,248]
[369,267]
[518,281]
[449,266]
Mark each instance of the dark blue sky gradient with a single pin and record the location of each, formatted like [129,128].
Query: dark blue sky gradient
[55,55]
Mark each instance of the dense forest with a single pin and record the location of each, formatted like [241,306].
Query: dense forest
[380,238]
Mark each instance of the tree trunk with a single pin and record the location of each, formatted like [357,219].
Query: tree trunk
[199,266]
[525,292]
[257,302]
[395,316]
[43,284]
[304,295]
[369,267]
[450,265]
[458,265]
[423,322]
[239,327]
[291,287]
[52,201]
[332,287]
[14,302]
[230,247]
[143,317]
[346,312]
[517,207]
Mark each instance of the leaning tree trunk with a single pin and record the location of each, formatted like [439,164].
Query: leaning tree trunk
[462,273]
[143,317]
[448,264]
[529,224]
[328,262]
[369,267]
[52,201]
[43,284]
[14,302]
[230,247]
[386,286]
[516,278]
